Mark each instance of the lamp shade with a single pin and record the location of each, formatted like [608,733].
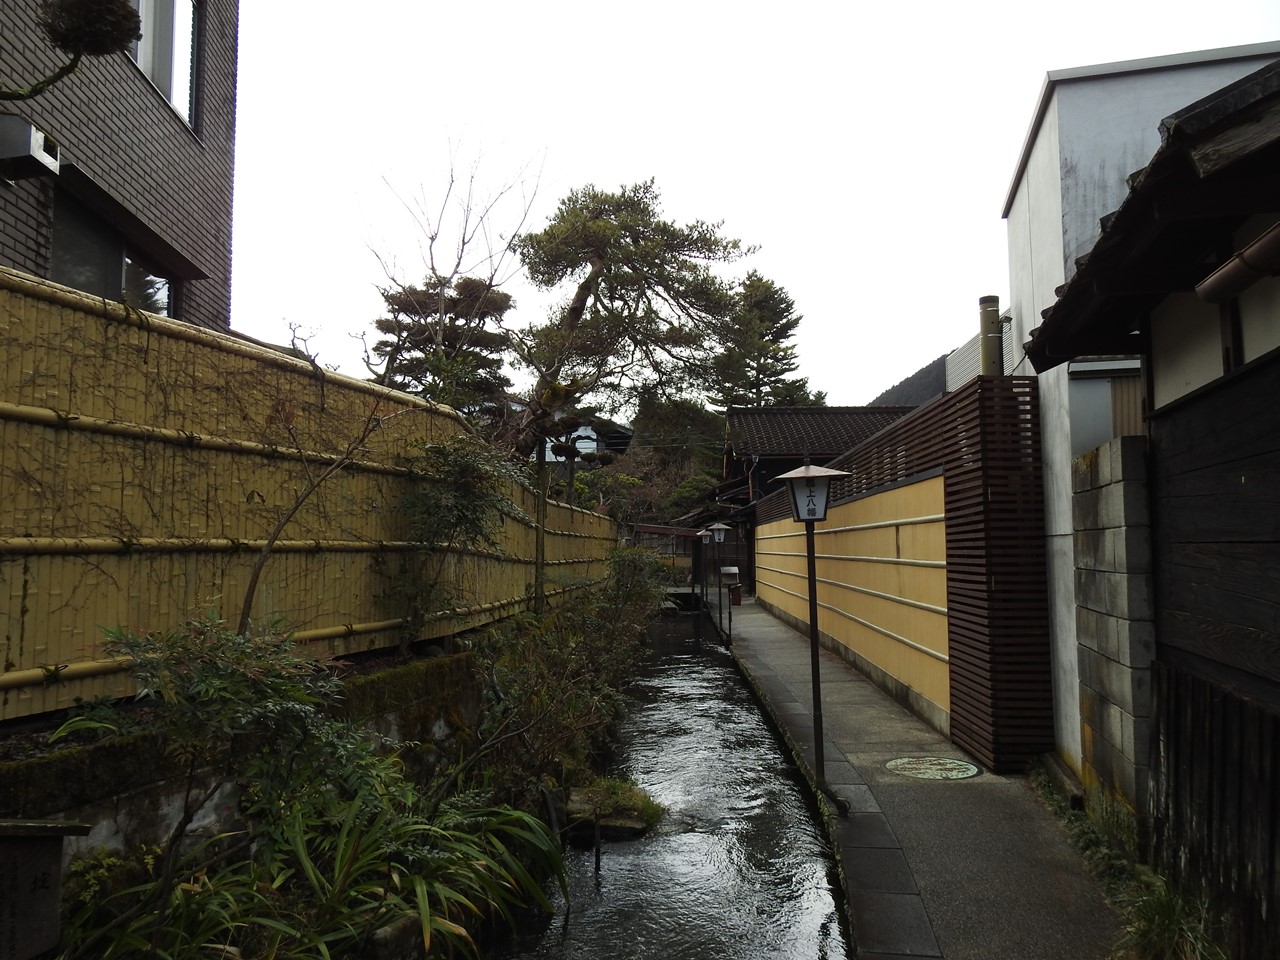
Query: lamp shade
[809,487]
[704,536]
[719,529]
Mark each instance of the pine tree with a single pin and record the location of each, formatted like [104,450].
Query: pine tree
[754,365]
[441,341]
[641,302]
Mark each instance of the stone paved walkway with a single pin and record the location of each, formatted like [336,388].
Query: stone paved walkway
[972,869]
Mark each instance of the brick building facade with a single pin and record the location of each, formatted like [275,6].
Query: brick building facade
[141,206]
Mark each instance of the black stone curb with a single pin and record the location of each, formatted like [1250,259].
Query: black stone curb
[815,794]
[888,922]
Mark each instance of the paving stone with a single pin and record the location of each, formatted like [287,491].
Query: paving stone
[841,771]
[881,869]
[893,923]
[857,795]
[990,874]
[865,830]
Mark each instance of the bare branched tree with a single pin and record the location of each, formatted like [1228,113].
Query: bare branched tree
[441,337]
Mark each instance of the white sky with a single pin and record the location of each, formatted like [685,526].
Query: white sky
[866,149]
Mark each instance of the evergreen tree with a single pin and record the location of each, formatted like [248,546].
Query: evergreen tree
[641,305]
[672,464]
[754,365]
[442,341]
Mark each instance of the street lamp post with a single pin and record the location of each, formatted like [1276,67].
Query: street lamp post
[809,486]
[705,537]
[719,529]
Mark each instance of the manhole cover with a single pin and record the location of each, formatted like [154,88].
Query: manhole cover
[933,768]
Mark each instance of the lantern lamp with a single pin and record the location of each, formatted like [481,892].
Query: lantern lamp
[809,487]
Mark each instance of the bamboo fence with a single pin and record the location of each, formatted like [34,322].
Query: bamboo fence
[145,463]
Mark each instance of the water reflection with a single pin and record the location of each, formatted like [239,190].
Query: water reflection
[737,869]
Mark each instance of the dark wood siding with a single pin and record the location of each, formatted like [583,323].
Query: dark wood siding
[1215,790]
[1216,524]
[1215,800]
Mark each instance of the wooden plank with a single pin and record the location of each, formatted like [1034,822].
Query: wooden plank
[1215,800]
[985,438]
[1239,647]
[1238,582]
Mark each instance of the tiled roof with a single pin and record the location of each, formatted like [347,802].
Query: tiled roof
[1181,207]
[820,432]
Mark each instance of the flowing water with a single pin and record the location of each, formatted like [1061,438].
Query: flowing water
[737,870]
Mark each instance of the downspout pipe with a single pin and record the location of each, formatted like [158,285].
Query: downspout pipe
[991,338]
[1255,262]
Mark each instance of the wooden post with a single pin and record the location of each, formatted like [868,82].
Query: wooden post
[540,534]
[31,884]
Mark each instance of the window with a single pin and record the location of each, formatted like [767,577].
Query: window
[145,289]
[166,52]
[91,256]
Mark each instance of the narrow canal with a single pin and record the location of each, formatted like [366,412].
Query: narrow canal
[737,870]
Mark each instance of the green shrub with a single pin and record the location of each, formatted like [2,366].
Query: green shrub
[336,841]
[556,685]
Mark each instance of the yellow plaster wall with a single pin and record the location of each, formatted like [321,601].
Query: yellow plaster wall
[882,581]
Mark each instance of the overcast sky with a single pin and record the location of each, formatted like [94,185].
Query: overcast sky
[865,149]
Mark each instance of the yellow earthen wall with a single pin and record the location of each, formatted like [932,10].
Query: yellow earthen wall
[144,462]
[882,581]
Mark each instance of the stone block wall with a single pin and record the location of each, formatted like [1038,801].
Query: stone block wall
[1114,626]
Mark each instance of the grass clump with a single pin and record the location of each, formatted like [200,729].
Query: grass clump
[615,797]
[333,840]
[1158,922]
[1161,924]
[1108,862]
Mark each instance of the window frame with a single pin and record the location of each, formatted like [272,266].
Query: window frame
[155,53]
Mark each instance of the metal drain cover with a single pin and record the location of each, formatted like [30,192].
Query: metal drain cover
[933,768]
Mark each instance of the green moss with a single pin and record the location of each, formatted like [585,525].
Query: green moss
[419,693]
[441,680]
[613,797]
[79,776]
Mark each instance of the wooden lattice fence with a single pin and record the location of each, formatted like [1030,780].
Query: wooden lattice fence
[985,438]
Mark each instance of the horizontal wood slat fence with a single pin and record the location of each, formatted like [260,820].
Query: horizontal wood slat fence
[985,439]
[144,464]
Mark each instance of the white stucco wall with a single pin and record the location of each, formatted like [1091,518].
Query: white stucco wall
[1186,338]
[1035,270]
[1186,346]
[1260,304]
[1035,240]
[1260,318]
[1108,128]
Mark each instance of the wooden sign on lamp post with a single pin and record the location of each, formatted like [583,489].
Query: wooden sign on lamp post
[705,537]
[809,487]
[719,529]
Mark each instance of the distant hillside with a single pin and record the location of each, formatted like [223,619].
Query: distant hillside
[922,386]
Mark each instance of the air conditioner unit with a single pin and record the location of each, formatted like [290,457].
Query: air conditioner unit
[24,150]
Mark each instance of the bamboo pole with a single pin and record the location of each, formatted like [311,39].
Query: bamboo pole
[57,295]
[61,420]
